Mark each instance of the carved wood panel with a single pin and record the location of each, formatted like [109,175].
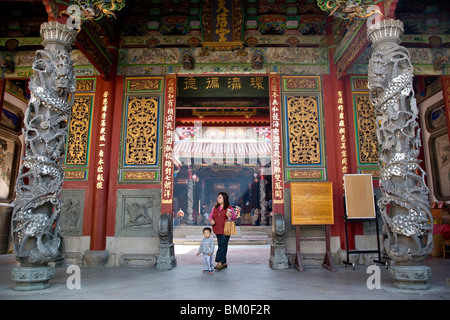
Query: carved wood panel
[142,131]
[303,129]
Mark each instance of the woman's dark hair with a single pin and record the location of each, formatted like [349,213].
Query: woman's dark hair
[226,203]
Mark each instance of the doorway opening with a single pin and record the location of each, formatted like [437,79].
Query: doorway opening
[222,143]
[236,160]
[209,160]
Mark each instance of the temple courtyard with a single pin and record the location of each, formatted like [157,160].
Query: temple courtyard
[248,277]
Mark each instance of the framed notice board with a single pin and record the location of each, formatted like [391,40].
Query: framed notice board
[312,203]
[359,199]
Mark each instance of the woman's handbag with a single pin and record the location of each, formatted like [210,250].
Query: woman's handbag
[230,227]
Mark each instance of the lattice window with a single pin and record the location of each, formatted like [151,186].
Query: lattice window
[304,130]
[78,137]
[366,125]
[141,132]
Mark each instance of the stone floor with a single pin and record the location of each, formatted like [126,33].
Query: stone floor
[236,255]
[248,277]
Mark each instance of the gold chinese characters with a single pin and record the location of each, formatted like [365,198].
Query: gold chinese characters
[102,143]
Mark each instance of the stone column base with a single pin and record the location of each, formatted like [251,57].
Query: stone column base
[32,278]
[410,277]
[166,257]
[96,258]
[278,259]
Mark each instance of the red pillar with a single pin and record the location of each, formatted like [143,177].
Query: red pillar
[102,162]
[101,151]
[336,123]
[277,151]
[169,128]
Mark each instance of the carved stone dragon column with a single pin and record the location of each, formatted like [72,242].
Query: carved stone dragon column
[35,227]
[404,205]
[262,201]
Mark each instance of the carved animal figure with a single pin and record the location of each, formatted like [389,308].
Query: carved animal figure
[404,205]
[35,221]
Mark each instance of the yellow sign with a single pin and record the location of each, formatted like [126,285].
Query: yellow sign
[312,203]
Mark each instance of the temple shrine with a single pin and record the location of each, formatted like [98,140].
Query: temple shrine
[167,103]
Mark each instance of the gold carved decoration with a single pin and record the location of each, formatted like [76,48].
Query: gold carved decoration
[237,15]
[367,138]
[304,135]
[139,175]
[374,172]
[310,83]
[86,85]
[78,137]
[360,84]
[141,134]
[206,20]
[305,174]
[144,84]
[208,28]
[75,175]
[247,113]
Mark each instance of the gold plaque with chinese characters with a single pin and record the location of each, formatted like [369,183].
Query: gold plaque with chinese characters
[312,203]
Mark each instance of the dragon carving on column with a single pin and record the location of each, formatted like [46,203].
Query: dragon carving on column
[38,203]
[404,205]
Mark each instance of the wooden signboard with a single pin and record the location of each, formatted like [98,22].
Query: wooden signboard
[360,206]
[214,86]
[359,199]
[312,203]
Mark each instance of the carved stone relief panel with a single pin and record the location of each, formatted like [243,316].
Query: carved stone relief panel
[72,212]
[137,212]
